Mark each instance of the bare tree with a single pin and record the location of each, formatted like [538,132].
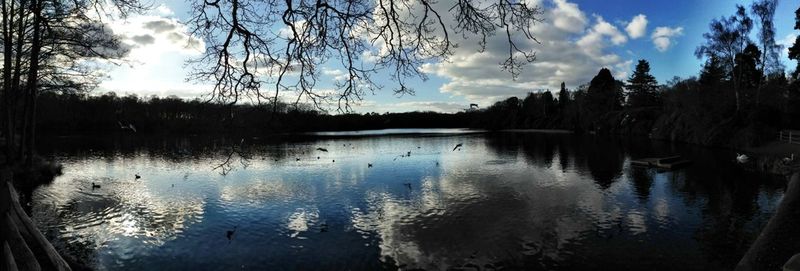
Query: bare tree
[47,44]
[727,38]
[256,49]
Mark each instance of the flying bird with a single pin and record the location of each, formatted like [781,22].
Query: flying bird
[458,146]
[127,127]
[741,158]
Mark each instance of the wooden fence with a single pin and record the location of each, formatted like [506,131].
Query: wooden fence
[23,246]
[791,136]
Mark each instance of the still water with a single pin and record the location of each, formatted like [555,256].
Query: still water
[503,200]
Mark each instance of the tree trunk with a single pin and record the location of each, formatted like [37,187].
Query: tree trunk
[33,77]
[7,95]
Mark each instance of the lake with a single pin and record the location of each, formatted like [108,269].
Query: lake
[502,200]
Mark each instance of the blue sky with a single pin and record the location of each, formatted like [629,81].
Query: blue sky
[577,39]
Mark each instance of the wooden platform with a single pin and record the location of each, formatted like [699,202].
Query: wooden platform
[671,162]
[23,246]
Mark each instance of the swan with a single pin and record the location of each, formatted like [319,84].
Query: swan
[742,158]
[787,160]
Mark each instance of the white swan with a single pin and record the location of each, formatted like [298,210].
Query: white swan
[787,160]
[741,158]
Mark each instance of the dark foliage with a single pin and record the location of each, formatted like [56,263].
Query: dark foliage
[61,114]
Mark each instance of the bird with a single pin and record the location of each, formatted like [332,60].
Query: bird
[437,163]
[741,158]
[369,165]
[407,185]
[297,159]
[317,157]
[334,161]
[458,146]
[95,186]
[787,160]
[126,127]
[323,227]
[230,233]
[322,149]
[408,154]
[137,176]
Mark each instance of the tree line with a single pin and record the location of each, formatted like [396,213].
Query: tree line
[71,113]
[740,97]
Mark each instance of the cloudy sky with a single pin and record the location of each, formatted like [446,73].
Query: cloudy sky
[577,38]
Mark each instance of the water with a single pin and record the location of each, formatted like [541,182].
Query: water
[504,200]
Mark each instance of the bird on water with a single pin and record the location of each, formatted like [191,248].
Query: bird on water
[230,233]
[458,146]
[95,186]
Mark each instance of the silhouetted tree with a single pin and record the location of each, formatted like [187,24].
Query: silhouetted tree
[245,53]
[563,97]
[765,14]
[604,93]
[749,75]
[794,51]
[727,38]
[642,86]
[50,45]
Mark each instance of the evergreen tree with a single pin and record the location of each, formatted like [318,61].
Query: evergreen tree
[747,63]
[642,86]
[604,94]
[794,51]
[548,104]
[563,97]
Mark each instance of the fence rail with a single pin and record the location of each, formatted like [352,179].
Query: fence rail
[791,136]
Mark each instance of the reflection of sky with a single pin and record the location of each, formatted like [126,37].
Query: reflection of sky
[434,209]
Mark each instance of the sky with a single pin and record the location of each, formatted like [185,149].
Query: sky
[576,39]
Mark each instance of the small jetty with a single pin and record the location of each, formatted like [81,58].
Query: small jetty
[670,162]
[23,246]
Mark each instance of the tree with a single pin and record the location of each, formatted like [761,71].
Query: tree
[770,59]
[245,54]
[563,97]
[794,51]
[642,86]
[49,45]
[750,77]
[604,93]
[727,38]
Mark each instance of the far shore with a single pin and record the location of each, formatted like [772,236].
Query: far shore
[548,131]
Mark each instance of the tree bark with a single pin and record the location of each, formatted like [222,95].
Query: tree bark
[33,78]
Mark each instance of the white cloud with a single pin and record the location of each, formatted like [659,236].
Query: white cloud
[568,17]
[159,48]
[564,55]
[663,35]
[437,106]
[786,42]
[637,27]
[163,10]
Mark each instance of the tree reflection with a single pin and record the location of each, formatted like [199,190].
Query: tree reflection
[642,181]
